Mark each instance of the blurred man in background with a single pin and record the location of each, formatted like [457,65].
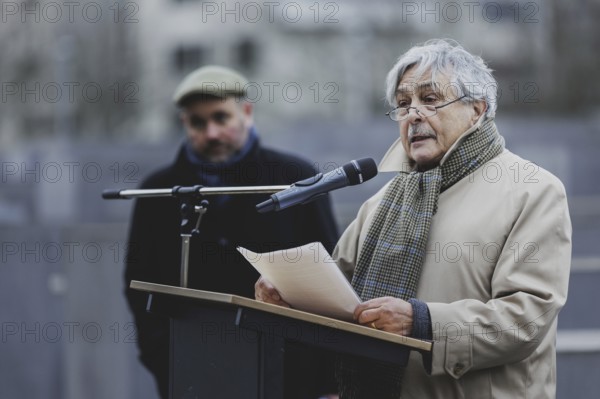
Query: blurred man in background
[222,149]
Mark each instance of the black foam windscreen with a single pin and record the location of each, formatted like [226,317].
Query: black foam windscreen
[360,170]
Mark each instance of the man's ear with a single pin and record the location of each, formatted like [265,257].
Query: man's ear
[479,108]
[248,112]
[182,116]
[247,107]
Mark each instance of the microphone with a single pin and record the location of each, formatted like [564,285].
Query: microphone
[350,174]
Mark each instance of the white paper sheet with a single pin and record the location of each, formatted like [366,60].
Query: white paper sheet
[308,279]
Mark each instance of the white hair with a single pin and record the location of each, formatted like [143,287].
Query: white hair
[469,75]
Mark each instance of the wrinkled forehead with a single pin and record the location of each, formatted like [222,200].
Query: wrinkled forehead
[415,82]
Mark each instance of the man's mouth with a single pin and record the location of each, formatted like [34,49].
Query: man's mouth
[418,138]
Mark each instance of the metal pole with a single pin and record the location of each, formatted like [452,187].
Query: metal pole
[185,259]
[169,192]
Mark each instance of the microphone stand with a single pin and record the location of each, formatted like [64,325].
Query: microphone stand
[189,197]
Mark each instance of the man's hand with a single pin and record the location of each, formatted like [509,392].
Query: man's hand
[264,291]
[386,313]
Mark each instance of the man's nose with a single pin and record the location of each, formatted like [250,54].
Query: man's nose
[414,116]
[212,130]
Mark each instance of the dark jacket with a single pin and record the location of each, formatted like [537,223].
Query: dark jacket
[154,249]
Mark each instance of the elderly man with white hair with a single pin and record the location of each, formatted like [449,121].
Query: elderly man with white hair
[468,245]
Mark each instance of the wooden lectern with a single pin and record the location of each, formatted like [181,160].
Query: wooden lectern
[226,346]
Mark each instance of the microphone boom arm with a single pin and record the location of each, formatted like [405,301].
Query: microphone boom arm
[188,209]
[179,191]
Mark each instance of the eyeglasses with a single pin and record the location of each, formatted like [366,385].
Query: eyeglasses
[401,113]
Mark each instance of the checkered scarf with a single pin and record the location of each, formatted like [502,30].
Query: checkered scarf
[390,261]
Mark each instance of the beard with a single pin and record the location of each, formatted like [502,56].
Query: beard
[223,147]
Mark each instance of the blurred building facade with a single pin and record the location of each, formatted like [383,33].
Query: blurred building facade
[109,67]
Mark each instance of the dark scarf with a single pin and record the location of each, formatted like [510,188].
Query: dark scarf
[392,255]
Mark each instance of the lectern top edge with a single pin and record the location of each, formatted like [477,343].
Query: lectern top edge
[423,346]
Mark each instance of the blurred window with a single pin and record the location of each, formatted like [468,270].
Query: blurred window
[188,58]
[246,55]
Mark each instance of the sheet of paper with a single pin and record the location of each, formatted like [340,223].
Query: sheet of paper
[308,279]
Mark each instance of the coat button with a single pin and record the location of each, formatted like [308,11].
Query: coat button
[223,241]
[458,368]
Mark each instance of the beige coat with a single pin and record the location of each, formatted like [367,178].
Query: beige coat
[494,278]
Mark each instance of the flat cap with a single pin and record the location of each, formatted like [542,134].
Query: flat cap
[211,80]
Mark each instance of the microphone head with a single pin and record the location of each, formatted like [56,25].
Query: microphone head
[359,171]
